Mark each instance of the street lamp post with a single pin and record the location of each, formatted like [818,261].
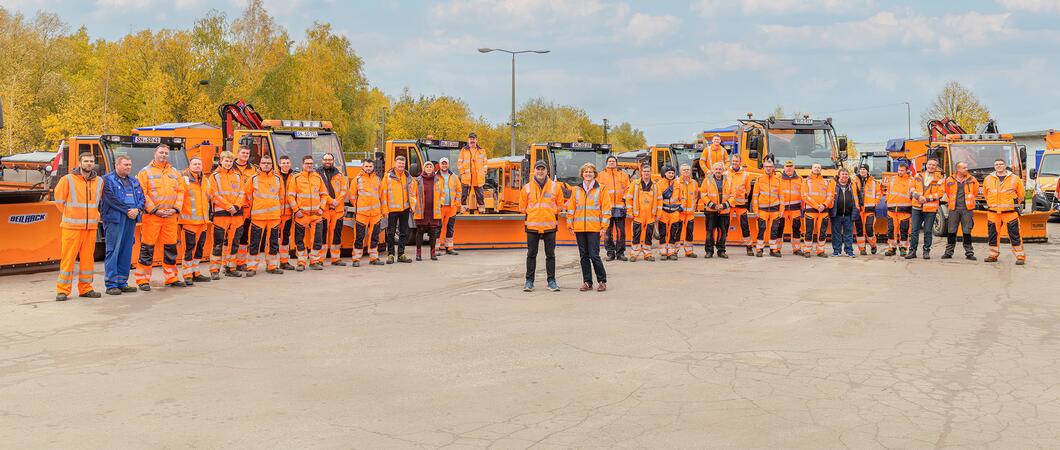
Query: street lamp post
[513,53]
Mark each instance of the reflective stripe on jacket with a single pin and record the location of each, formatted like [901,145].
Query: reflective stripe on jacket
[1003,193]
[541,204]
[163,187]
[78,201]
[588,211]
[265,191]
[196,201]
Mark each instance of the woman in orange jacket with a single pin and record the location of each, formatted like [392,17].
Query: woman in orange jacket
[670,213]
[588,214]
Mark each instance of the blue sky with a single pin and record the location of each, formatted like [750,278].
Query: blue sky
[673,68]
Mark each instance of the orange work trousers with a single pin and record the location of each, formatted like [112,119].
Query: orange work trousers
[76,260]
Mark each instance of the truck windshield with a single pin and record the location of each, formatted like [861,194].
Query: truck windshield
[141,155]
[1050,166]
[569,162]
[437,153]
[686,156]
[804,147]
[981,156]
[877,164]
[296,145]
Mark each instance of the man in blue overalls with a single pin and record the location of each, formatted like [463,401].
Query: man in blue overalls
[120,208]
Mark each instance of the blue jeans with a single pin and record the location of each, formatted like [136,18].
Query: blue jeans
[843,234]
[118,238]
[928,221]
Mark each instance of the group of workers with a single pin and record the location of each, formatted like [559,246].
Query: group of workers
[263,217]
[255,212]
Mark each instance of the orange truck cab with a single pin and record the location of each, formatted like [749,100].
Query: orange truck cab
[504,180]
[416,151]
[662,155]
[565,159]
[803,141]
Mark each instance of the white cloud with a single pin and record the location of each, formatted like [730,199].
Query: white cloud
[729,56]
[1034,6]
[517,13]
[644,28]
[663,67]
[720,8]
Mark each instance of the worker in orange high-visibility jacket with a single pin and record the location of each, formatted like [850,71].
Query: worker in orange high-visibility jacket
[77,197]
[398,186]
[541,199]
[767,205]
[689,205]
[367,197]
[615,182]
[1004,198]
[715,196]
[427,210]
[741,191]
[194,221]
[449,183]
[335,209]
[713,153]
[163,201]
[927,193]
[472,167]
[869,192]
[266,192]
[588,215]
[959,192]
[246,169]
[818,193]
[791,201]
[286,219]
[900,190]
[227,200]
[307,197]
[669,214]
[643,204]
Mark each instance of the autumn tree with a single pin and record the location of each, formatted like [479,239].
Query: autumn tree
[958,103]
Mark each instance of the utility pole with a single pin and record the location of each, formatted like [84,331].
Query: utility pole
[606,128]
[382,130]
[908,121]
[513,53]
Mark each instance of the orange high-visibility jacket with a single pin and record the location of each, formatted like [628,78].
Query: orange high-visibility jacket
[541,204]
[676,200]
[306,193]
[588,211]
[615,183]
[930,193]
[472,165]
[286,212]
[899,193]
[643,204]
[398,188]
[1003,193]
[817,191]
[417,194]
[225,190]
[741,187]
[768,193]
[791,192]
[265,190]
[971,190]
[689,197]
[366,196]
[711,198]
[77,198]
[196,200]
[340,184]
[452,182]
[163,187]
[712,154]
[868,191]
[245,172]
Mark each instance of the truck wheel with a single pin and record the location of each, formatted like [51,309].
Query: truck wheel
[939,228]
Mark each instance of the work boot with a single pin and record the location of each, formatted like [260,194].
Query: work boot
[276,271]
[621,257]
[94,294]
[241,267]
[610,257]
[1019,262]
[649,258]
[233,273]
[402,258]
[339,263]
[316,266]
[419,257]
[286,266]
[60,297]
[176,284]
[450,251]
[911,255]
[889,252]
[797,253]
[758,253]
[673,257]
[873,249]
[189,282]
[822,255]
[114,291]
[251,273]
[553,286]
[632,258]
[201,278]
[863,252]
[969,256]
[128,289]
[692,255]
[357,264]
[300,268]
[990,258]
[806,254]
[390,259]
[708,255]
[722,255]
[215,276]
[528,286]
[901,252]
[750,252]
[434,256]
[947,255]
[775,254]
[927,254]
[145,287]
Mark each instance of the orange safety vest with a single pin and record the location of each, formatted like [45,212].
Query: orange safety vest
[971,190]
[451,182]
[245,172]
[226,190]
[644,205]
[675,199]
[286,213]
[541,204]
[930,193]
[265,190]
[869,191]
[1003,194]
[791,192]
[817,191]
[417,205]
[712,154]
[588,211]
[339,184]
[472,165]
[741,186]
[163,187]
[711,198]
[615,183]
[768,192]
[366,196]
[899,190]
[196,200]
[78,200]
[689,196]
[398,190]
[306,193]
